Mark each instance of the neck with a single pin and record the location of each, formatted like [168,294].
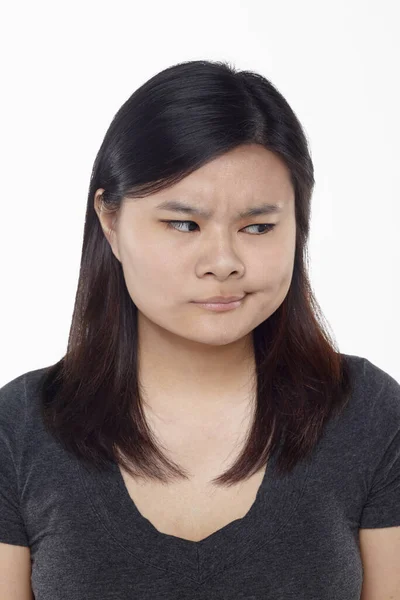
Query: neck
[182,378]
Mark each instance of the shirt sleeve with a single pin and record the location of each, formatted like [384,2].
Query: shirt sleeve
[382,508]
[12,528]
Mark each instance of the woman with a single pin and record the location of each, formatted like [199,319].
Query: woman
[202,437]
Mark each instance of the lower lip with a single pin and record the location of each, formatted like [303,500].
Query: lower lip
[221,307]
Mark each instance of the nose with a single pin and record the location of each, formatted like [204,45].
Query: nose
[221,258]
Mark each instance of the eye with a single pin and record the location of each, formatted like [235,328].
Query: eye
[171,225]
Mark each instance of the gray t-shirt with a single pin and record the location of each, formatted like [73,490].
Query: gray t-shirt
[299,540]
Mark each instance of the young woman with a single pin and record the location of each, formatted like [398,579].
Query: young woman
[202,437]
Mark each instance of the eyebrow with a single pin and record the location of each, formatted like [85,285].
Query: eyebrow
[255,211]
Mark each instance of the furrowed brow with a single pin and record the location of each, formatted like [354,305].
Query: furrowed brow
[255,211]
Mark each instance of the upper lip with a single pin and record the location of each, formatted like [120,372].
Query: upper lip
[222,299]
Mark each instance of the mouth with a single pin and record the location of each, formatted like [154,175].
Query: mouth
[221,306]
[220,299]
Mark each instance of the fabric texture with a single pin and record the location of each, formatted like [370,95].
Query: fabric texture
[298,541]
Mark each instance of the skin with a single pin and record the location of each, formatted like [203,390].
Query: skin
[197,365]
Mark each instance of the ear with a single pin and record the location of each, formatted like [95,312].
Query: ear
[107,221]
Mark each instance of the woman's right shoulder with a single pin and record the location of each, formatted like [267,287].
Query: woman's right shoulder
[17,392]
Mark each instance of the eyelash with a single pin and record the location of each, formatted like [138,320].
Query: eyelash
[270,226]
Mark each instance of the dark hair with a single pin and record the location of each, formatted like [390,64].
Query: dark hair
[179,120]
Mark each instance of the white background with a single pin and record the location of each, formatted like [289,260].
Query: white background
[66,68]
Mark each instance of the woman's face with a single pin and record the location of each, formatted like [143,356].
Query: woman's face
[168,268]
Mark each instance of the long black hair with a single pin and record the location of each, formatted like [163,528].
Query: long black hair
[177,121]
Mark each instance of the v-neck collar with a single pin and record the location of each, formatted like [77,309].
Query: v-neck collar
[274,505]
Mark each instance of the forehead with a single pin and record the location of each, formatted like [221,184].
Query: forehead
[243,172]
[250,179]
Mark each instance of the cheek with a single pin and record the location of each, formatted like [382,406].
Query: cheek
[272,278]
[280,260]
[148,266]
[271,268]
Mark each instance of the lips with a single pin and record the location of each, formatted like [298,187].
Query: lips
[220,299]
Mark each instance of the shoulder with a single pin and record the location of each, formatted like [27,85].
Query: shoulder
[376,392]
[377,395]
[19,403]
